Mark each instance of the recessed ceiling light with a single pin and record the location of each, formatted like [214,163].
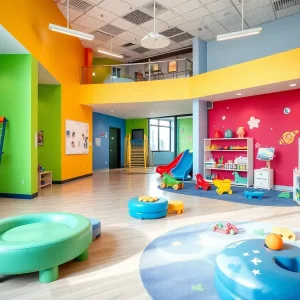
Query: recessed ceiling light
[239,94]
[111,111]
[293,84]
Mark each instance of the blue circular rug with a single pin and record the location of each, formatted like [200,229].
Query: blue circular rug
[180,264]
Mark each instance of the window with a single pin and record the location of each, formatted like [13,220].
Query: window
[172,66]
[160,135]
[154,67]
[116,72]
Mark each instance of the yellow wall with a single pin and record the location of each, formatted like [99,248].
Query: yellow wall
[272,69]
[61,55]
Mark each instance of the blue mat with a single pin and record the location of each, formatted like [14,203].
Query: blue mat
[179,265]
[270,197]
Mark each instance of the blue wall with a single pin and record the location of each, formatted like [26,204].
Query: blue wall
[101,124]
[277,36]
[162,158]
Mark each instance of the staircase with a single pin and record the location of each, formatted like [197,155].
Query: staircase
[3,122]
[136,155]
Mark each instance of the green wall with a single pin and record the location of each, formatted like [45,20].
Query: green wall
[102,73]
[49,120]
[18,103]
[137,124]
[184,131]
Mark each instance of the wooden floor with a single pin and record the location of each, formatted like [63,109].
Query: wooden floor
[112,270]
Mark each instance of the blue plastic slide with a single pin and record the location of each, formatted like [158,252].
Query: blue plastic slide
[183,168]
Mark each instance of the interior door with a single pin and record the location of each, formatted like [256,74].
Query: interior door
[114,148]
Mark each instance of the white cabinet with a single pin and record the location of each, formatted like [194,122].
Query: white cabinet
[296,185]
[264,178]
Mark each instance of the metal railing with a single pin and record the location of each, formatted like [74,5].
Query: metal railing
[154,70]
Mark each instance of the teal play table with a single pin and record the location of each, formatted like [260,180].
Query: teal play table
[41,242]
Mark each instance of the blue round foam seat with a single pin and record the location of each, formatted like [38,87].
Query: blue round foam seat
[148,210]
[96,225]
[249,270]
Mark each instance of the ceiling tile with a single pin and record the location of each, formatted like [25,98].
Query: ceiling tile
[118,41]
[140,50]
[111,29]
[173,46]
[187,6]
[181,37]
[120,22]
[204,34]
[137,17]
[137,3]
[193,25]
[168,15]
[219,5]
[95,1]
[226,13]
[88,44]
[187,43]
[101,14]
[101,37]
[117,7]
[160,25]
[235,27]
[263,15]
[217,28]
[205,2]
[148,8]
[79,5]
[232,20]
[74,14]
[288,11]
[89,22]
[196,13]
[208,20]
[251,4]
[177,21]
[172,3]
[138,30]
[131,37]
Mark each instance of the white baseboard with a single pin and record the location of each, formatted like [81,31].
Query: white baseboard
[283,188]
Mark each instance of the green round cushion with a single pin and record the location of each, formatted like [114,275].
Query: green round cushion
[35,242]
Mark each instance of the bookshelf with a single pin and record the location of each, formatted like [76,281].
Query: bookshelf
[231,149]
[44,179]
[296,185]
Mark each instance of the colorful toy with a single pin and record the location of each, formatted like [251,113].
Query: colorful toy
[285,233]
[167,169]
[284,194]
[253,194]
[168,180]
[147,199]
[274,241]
[223,186]
[241,132]
[200,182]
[249,270]
[239,179]
[228,133]
[228,229]
[96,226]
[259,232]
[176,206]
[217,134]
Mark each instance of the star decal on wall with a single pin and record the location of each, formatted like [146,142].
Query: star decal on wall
[256,251]
[253,123]
[246,254]
[256,261]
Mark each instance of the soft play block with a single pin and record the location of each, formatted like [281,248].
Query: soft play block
[41,242]
[147,210]
[249,270]
[254,194]
[96,226]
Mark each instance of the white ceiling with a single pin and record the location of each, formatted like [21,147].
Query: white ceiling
[202,18]
[9,45]
[182,107]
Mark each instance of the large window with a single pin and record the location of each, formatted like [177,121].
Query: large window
[160,135]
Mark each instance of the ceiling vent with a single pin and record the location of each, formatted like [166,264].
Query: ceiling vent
[140,50]
[171,32]
[111,30]
[80,5]
[283,4]
[101,36]
[148,8]
[127,45]
[181,37]
[137,17]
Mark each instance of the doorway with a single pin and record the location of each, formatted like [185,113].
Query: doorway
[137,134]
[114,148]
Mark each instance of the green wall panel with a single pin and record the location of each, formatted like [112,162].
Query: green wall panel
[137,124]
[102,73]
[184,134]
[49,120]
[18,103]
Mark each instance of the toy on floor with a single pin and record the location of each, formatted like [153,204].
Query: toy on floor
[223,186]
[248,270]
[259,232]
[176,206]
[167,169]
[200,182]
[254,194]
[229,229]
[96,225]
[285,233]
[168,180]
[284,194]
[274,241]
[147,199]
[239,179]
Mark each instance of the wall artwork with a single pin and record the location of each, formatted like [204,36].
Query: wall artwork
[288,137]
[77,137]
[253,123]
[40,138]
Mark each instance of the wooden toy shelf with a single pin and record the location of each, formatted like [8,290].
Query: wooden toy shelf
[44,179]
[242,168]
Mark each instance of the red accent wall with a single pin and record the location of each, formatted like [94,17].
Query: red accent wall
[269,109]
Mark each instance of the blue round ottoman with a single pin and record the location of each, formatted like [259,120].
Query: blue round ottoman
[250,271]
[148,210]
[96,225]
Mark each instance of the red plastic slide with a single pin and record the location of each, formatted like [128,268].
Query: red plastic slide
[166,169]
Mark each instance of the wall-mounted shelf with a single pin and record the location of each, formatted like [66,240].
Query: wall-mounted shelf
[226,142]
[44,179]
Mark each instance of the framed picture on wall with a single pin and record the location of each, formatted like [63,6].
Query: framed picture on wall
[172,66]
[40,138]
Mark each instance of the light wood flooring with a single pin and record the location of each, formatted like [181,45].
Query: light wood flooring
[112,270]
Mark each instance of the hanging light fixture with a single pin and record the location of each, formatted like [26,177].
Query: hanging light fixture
[69,31]
[155,40]
[110,53]
[241,33]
